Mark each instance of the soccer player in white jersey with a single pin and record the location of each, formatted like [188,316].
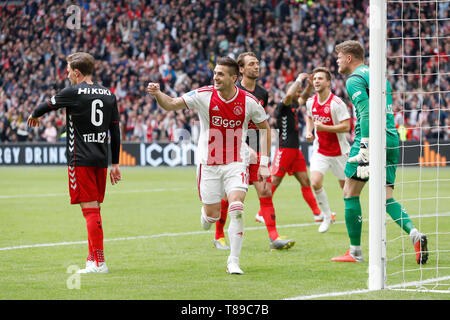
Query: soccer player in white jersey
[223,156]
[328,116]
[249,69]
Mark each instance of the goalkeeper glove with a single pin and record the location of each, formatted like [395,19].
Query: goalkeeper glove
[363,159]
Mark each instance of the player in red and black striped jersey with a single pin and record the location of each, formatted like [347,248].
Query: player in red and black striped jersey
[92,113]
[249,68]
[263,97]
[288,157]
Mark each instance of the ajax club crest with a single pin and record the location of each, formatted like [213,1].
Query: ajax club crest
[238,110]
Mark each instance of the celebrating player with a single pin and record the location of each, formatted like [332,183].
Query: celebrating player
[350,61]
[91,111]
[328,116]
[288,157]
[223,156]
[249,68]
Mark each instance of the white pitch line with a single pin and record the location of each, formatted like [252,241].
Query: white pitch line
[330,294]
[69,243]
[317,296]
[19,196]
[40,245]
[400,286]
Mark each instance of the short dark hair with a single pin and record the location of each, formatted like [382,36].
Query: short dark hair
[230,63]
[324,70]
[82,61]
[241,57]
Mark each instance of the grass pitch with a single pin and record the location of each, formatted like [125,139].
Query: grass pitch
[156,250]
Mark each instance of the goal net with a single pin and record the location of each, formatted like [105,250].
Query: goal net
[417,37]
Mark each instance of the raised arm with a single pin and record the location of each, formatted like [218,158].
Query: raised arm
[164,101]
[292,92]
[307,92]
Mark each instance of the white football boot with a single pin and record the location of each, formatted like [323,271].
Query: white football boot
[259,218]
[319,217]
[325,225]
[89,263]
[93,268]
[233,266]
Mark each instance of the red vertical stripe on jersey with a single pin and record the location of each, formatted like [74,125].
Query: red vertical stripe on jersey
[226,119]
[328,141]
[199,179]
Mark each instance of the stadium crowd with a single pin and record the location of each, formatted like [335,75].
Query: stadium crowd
[177,43]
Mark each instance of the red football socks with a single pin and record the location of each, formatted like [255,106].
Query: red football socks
[95,233]
[267,211]
[273,187]
[310,199]
[223,219]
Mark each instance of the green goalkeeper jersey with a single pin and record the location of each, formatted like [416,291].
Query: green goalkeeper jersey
[357,85]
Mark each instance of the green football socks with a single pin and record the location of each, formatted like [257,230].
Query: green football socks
[353,220]
[399,215]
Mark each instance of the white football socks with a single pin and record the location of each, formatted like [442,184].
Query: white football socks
[322,202]
[236,228]
[207,221]
[414,235]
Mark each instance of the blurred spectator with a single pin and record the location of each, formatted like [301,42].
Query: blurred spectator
[140,129]
[50,133]
[177,42]
[22,133]
[4,132]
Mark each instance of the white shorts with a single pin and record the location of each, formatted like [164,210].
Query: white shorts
[322,163]
[214,181]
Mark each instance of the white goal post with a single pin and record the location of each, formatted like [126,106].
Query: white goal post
[377,134]
[386,250]
[377,143]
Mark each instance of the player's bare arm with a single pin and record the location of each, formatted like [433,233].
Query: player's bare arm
[166,102]
[253,155]
[266,142]
[343,126]
[292,93]
[307,92]
[309,129]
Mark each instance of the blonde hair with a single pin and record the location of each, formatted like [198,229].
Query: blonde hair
[351,47]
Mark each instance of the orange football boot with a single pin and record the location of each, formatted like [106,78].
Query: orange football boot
[348,257]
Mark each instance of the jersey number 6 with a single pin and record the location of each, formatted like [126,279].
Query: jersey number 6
[97,113]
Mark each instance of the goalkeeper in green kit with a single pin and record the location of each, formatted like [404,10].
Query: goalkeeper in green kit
[350,62]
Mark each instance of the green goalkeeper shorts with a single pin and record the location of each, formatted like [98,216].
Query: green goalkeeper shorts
[392,157]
